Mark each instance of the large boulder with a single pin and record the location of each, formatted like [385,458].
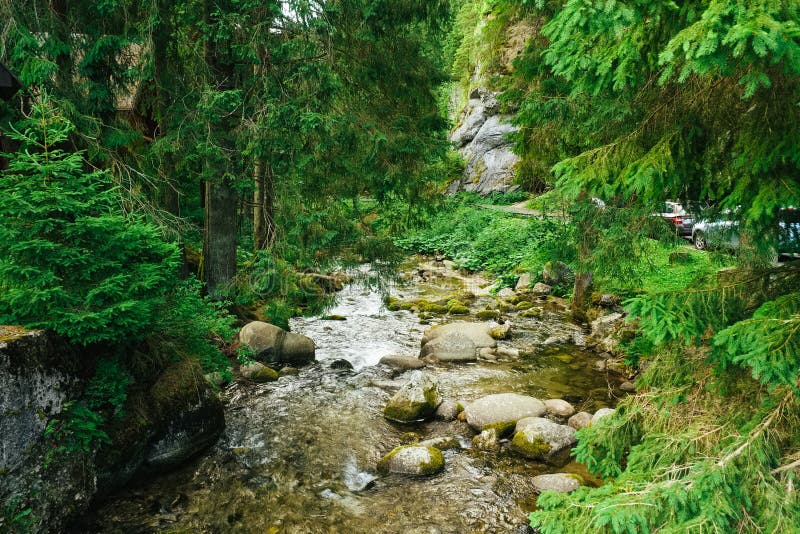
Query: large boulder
[479,333]
[412,460]
[415,401]
[538,438]
[273,345]
[502,411]
[193,417]
[452,347]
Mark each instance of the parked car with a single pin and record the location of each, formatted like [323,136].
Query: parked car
[723,231]
[679,219]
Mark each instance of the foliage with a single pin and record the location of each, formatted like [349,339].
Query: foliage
[484,239]
[15,517]
[78,429]
[70,261]
[682,460]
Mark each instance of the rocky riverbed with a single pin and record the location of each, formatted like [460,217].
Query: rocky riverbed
[310,452]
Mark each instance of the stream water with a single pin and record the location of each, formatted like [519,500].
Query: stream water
[298,455]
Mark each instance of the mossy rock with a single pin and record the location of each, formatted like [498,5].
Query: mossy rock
[524,305]
[532,313]
[457,309]
[415,401]
[396,304]
[501,332]
[503,429]
[412,460]
[258,372]
[427,306]
[535,449]
[334,318]
[488,315]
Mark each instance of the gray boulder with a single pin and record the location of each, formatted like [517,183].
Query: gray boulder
[524,282]
[502,411]
[273,345]
[452,347]
[541,439]
[479,333]
[560,482]
[412,460]
[559,407]
[402,362]
[448,410]
[580,420]
[541,289]
[415,401]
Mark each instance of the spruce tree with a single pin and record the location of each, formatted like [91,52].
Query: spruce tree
[70,260]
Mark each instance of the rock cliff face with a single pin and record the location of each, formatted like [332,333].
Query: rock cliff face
[167,423]
[482,139]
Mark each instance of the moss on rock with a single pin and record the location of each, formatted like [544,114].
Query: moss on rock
[535,449]
[412,460]
[488,315]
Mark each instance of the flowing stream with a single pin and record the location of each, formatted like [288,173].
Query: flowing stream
[298,455]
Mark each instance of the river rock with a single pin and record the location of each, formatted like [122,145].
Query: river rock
[506,293]
[448,410]
[479,333]
[542,290]
[580,420]
[415,401]
[403,362]
[501,331]
[538,438]
[487,440]
[560,482]
[451,347]
[507,352]
[503,409]
[628,387]
[258,372]
[412,460]
[524,282]
[602,412]
[559,407]
[272,344]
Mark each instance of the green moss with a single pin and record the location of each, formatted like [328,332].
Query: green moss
[535,449]
[430,307]
[535,313]
[334,318]
[524,305]
[432,465]
[499,332]
[264,374]
[503,429]
[458,310]
[486,315]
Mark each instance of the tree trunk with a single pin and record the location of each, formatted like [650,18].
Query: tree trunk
[219,243]
[580,296]
[263,206]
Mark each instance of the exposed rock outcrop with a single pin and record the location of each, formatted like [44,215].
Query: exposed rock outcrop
[482,138]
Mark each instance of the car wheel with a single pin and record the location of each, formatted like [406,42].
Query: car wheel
[699,240]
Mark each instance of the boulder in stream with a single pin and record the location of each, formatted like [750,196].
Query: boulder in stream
[412,460]
[415,401]
[451,347]
[479,333]
[258,372]
[502,410]
[559,407]
[402,362]
[541,439]
[274,345]
[580,420]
